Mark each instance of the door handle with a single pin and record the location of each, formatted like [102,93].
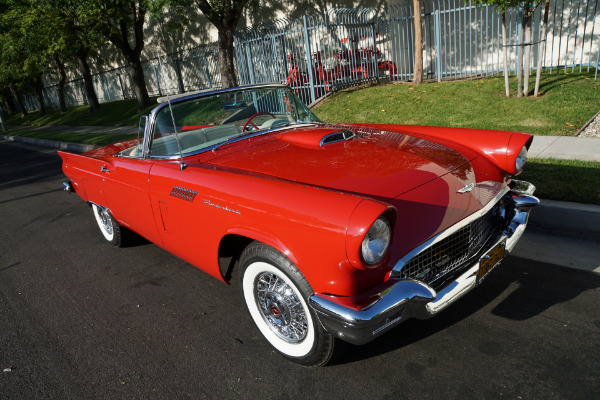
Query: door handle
[103,169]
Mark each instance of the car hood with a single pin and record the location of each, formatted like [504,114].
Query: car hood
[364,161]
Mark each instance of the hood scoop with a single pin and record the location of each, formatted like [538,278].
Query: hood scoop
[317,138]
[337,137]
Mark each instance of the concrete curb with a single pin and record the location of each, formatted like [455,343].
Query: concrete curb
[568,219]
[75,147]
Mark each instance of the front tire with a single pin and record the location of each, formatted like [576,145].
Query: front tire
[276,294]
[111,229]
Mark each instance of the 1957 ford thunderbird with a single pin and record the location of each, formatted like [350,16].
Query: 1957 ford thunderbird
[337,231]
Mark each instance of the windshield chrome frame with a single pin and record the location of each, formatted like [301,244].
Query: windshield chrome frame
[183,98]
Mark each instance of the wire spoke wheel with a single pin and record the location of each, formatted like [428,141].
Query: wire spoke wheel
[111,229]
[276,294]
[281,307]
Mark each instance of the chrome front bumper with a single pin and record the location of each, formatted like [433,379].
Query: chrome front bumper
[401,299]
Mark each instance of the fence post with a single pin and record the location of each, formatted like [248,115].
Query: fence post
[155,77]
[376,58]
[309,65]
[519,23]
[437,26]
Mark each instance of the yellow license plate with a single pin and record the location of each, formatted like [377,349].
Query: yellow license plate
[490,260]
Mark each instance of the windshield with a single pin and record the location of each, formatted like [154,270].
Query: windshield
[206,121]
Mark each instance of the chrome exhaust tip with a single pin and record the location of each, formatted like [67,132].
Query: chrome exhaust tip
[66,186]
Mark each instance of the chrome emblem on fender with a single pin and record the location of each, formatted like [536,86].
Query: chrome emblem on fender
[183,193]
[467,188]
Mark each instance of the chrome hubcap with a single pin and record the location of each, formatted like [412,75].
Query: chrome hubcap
[105,220]
[280,307]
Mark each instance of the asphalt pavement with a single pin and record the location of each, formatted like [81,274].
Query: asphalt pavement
[84,320]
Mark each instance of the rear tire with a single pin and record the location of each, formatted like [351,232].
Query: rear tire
[276,294]
[111,229]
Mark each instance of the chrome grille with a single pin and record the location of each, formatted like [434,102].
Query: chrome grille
[451,253]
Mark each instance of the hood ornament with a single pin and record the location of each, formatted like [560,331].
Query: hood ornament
[467,188]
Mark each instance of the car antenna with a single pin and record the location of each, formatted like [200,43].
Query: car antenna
[182,165]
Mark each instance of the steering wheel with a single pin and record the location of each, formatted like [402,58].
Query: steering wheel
[252,117]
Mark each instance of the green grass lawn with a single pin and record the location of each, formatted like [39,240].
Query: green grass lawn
[568,101]
[565,180]
[113,113]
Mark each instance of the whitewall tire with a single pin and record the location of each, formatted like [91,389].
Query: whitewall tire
[111,229]
[276,294]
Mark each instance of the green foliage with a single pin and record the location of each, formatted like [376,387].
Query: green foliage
[501,5]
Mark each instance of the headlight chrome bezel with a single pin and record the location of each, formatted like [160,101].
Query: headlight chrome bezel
[520,161]
[376,242]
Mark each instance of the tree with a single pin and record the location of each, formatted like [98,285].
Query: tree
[418,72]
[122,23]
[541,49]
[77,40]
[225,16]
[24,41]
[501,7]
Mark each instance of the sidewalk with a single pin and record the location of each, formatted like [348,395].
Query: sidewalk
[565,147]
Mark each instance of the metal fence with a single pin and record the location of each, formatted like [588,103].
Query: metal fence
[180,72]
[343,47]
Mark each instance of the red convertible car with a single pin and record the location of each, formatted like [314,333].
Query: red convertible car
[337,231]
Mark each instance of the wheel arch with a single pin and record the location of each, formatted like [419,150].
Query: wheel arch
[233,243]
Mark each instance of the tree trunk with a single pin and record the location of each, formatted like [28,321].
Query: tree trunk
[418,72]
[505,54]
[84,68]
[60,69]
[132,54]
[542,50]
[228,78]
[139,82]
[38,87]
[527,51]
[520,61]
[18,99]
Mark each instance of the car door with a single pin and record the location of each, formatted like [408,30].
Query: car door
[191,216]
[125,183]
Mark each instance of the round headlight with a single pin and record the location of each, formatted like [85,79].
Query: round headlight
[521,160]
[376,241]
